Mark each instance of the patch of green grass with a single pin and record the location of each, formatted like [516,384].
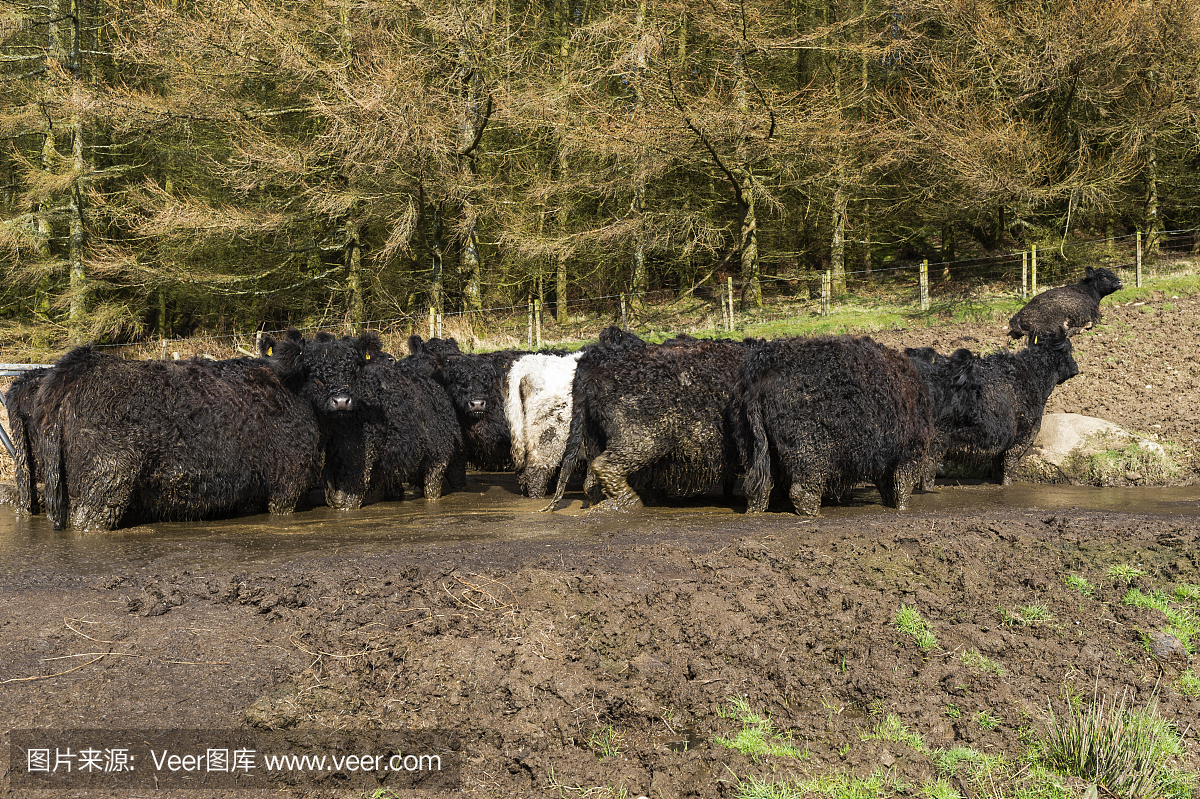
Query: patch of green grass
[962,759]
[1126,751]
[952,711]
[974,659]
[985,719]
[1080,584]
[1182,285]
[891,728]
[1034,613]
[1183,622]
[757,736]
[845,786]
[1024,617]
[605,741]
[939,789]
[1188,684]
[1124,573]
[1187,593]
[909,622]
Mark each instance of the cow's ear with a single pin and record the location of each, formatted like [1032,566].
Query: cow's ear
[370,343]
[415,345]
[266,346]
[1087,270]
[324,338]
[286,357]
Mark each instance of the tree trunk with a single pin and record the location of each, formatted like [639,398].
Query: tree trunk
[751,283]
[436,252]
[1154,225]
[837,247]
[355,305]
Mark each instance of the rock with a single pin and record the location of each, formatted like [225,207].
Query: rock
[1166,647]
[1083,450]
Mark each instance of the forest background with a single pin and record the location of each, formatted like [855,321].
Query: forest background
[175,168]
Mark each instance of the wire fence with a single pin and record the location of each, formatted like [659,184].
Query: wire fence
[719,303]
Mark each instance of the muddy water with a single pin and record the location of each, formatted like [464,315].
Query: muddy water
[491,510]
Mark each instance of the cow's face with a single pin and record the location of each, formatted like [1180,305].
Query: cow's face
[322,369]
[1059,343]
[471,383]
[1105,281]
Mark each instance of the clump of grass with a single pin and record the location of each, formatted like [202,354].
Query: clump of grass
[758,736]
[1182,620]
[974,659]
[605,741]
[1123,750]
[1188,684]
[985,719]
[1080,584]
[950,761]
[1124,573]
[910,623]
[1035,613]
[893,729]
[1026,616]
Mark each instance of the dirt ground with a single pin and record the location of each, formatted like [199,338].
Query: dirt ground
[537,635]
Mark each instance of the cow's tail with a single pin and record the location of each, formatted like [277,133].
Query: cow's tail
[57,504]
[514,412]
[758,482]
[23,461]
[574,446]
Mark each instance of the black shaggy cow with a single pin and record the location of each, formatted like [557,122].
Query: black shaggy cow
[20,401]
[826,413]
[991,407]
[124,441]
[403,430]
[1077,304]
[655,417]
[475,385]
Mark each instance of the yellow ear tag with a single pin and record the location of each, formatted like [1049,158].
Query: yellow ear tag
[270,351]
[1035,339]
[368,356]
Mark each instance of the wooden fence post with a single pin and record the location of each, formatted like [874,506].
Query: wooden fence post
[529,330]
[1138,281]
[1033,270]
[624,315]
[826,286]
[1024,274]
[432,320]
[537,324]
[923,280]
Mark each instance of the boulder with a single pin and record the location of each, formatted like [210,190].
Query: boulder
[1083,450]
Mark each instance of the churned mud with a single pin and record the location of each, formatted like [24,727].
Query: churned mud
[542,637]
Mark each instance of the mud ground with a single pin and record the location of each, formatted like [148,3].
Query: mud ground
[533,633]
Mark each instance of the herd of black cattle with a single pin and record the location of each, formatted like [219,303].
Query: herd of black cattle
[119,442]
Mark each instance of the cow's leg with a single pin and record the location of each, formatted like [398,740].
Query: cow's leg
[433,480]
[591,487]
[286,498]
[611,475]
[535,480]
[896,487]
[456,472]
[105,497]
[806,498]
[929,468]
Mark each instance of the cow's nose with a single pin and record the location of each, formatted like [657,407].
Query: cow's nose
[477,406]
[340,403]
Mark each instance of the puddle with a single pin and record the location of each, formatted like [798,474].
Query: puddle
[491,510]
